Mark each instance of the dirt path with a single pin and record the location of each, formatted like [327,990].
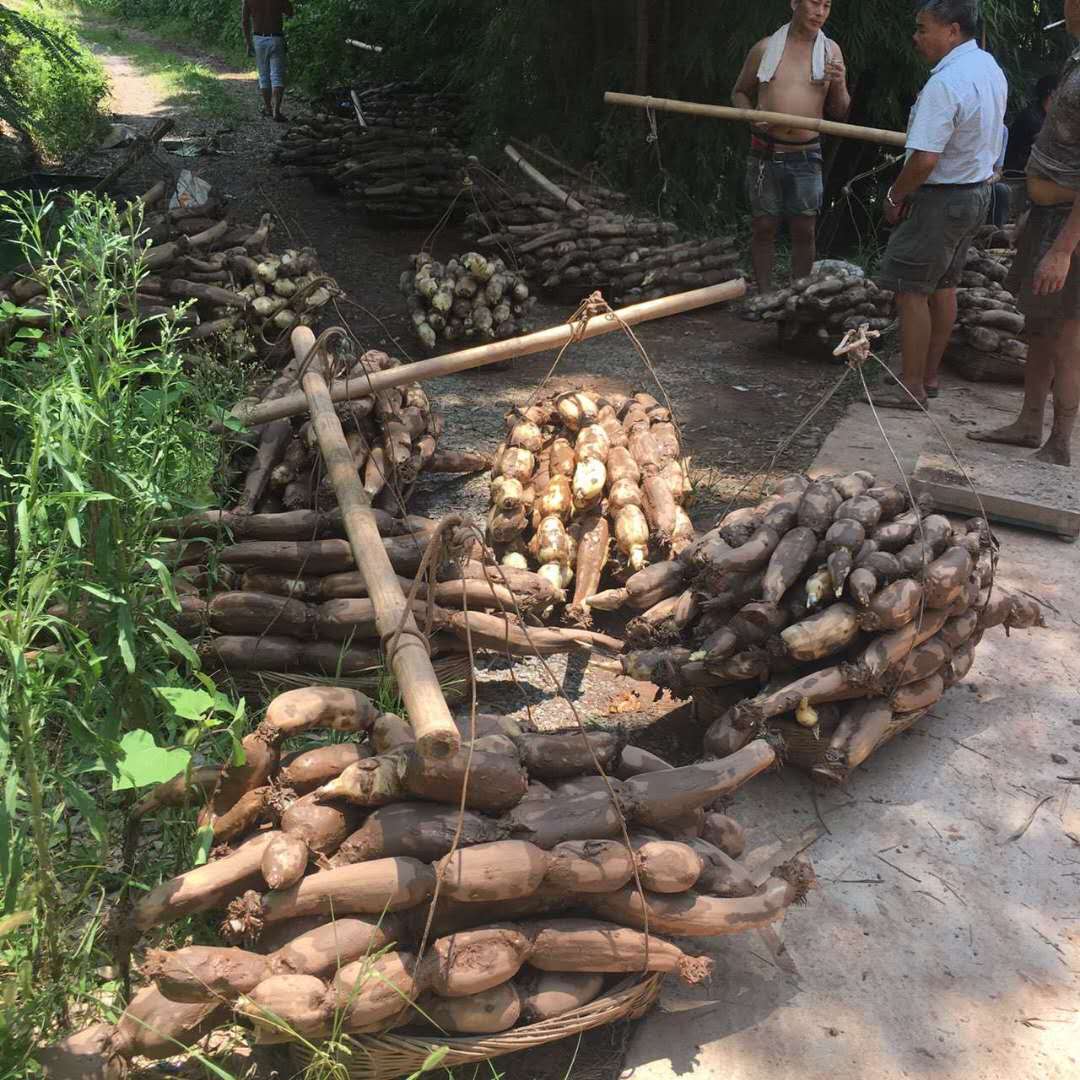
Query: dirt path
[734,391]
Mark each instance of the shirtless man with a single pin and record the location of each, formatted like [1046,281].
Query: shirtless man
[798,71]
[1046,273]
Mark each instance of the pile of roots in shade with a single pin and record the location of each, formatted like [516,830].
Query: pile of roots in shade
[826,304]
[586,490]
[986,343]
[469,298]
[354,894]
[234,289]
[406,171]
[601,244]
[832,615]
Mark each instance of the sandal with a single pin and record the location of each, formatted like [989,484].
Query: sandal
[281,118]
[932,391]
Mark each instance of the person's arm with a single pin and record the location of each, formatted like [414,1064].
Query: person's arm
[745,92]
[245,25]
[913,175]
[1053,268]
[838,99]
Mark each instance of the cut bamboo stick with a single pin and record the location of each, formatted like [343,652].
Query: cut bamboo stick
[436,734]
[538,178]
[541,341]
[757,116]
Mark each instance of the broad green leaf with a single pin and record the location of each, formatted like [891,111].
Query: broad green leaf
[177,643]
[204,841]
[102,594]
[165,578]
[143,762]
[126,639]
[187,704]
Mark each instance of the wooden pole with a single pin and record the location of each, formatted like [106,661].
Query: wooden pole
[436,734]
[363,45]
[538,178]
[552,338]
[757,116]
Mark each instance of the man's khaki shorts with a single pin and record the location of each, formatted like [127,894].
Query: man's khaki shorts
[1041,230]
[928,249]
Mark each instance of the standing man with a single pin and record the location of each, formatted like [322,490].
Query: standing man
[1046,273]
[942,194]
[798,71]
[263,23]
[1028,124]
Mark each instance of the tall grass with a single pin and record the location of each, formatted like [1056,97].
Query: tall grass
[103,432]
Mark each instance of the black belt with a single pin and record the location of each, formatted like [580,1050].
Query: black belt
[791,155]
[278,34]
[958,187]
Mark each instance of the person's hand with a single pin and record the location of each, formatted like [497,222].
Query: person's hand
[1052,271]
[835,71]
[250,49]
[895,209]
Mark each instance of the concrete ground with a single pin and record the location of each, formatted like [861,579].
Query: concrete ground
[940,943]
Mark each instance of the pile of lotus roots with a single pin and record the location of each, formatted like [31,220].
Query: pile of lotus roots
[328,861]
[587,487]
[833,614]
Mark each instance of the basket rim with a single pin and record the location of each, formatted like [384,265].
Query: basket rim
[628,997]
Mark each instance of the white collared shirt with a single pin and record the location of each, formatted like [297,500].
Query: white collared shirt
[959,114]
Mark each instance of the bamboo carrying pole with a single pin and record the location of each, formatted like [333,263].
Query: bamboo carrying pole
[538,178]
[553,337]
[756,116]
[436,734]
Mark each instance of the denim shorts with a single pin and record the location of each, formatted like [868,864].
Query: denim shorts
[1043,313]
[784,185]
[270,61]
[928,249]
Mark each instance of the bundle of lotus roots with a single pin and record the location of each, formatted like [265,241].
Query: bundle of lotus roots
[833,609]
[468,297]
[549,882]
[578,470]
[985,345]
[407,105]
[584,242]
[236,290]
[401,174]
[827,303]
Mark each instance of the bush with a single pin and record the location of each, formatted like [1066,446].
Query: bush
[60,94]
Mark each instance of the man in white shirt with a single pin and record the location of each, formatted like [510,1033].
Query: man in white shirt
[943,192]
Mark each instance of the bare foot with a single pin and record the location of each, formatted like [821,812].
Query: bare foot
[1054,453]
[1012,435]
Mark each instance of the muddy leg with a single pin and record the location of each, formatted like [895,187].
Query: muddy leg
[942,320]
[1026,430]
[803,230]
[1057,449]
[915,330]
[763,250]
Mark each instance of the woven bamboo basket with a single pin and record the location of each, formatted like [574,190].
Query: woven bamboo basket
[383,1057]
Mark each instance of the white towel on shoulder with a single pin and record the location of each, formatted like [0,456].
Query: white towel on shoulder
[774,51]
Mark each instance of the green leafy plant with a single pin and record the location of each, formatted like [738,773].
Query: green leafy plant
[51,86]
[104,431]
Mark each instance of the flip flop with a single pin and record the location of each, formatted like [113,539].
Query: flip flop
[281,118]
[932,391]
[898,401]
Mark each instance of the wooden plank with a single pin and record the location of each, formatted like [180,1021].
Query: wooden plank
[1014,491]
